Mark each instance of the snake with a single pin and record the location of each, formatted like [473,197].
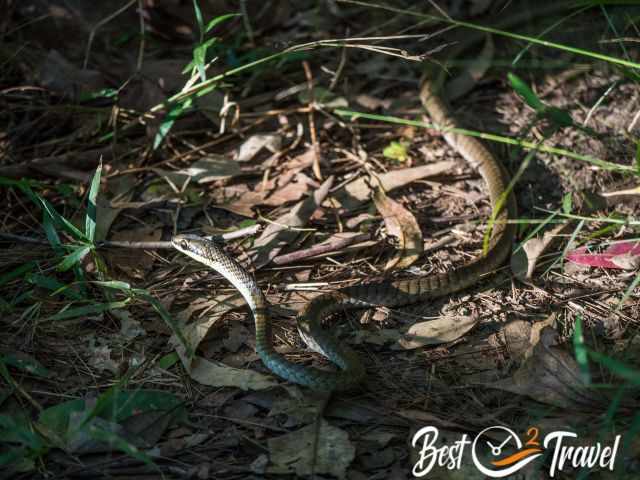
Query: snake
[389,293]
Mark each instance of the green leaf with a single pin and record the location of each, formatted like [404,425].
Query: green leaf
[561,118]
[168,361]
[220,19]
[98,94]
[165,127]
[90,219]
[25,363]
[199,19]
[20,271]
[54,285]
[567,203]
[200,57]
[50,232]
[61,222]
[638,157]
[87,310]
[123,286]
[56,417]
[74,258]
[114,440]
[616,367]
[13,430]
[581,351]
[13,455]
[525,92]
[396,151]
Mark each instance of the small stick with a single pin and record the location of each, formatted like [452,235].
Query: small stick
[312,123]
[320,248]
[243,232]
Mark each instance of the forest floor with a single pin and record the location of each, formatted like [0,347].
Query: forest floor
[294,130]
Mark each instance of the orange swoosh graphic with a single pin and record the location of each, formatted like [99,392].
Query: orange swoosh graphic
[516,456]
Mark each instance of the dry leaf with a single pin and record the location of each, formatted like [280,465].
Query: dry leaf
[290,192]
[255,143]
[212,373]
[373,103]
[58,74]
[403,225]
[294,453]
[135,263]
[525,259]
[436,332]
[358,191]
[211,168]
[120,187]
[550,375]
[279,233]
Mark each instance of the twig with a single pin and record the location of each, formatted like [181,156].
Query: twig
[101,23]
[312,123]
[325,247]
[243,232]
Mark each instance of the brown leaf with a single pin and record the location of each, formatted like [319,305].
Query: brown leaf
[525,259]
[255,143]
[358,191]
[403,225]
[212,373]
[550,375]
[135,263]
[294,452]
[290,192]
[58,74]
[211,168]
[436,332]
[279,233]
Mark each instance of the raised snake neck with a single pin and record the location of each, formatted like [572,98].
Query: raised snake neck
[389,293]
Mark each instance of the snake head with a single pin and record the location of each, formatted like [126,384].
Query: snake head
[199,248]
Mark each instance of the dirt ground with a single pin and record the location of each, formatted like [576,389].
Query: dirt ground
[99,311]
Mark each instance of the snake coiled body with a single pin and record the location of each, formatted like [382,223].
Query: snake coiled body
[388,293]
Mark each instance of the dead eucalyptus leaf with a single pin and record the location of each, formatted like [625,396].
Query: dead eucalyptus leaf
[255,143]
[120,187]
[280,233]
[211,168]
[294,452]
[401,224]
[290,192]
[436,332]
[525,259]
[550,375]
[359,191]
[135,263]
[212,373]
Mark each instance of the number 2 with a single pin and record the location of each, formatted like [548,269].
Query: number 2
[533,433]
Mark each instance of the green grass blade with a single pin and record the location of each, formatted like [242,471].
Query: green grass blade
[216,21]
[18,272]
[74,258]
[169,120]
[353,115]
[580,350]
[90,219]
[525,92]
[616,367]
[76,312]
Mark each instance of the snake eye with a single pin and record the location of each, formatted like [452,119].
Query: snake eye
[184,244]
